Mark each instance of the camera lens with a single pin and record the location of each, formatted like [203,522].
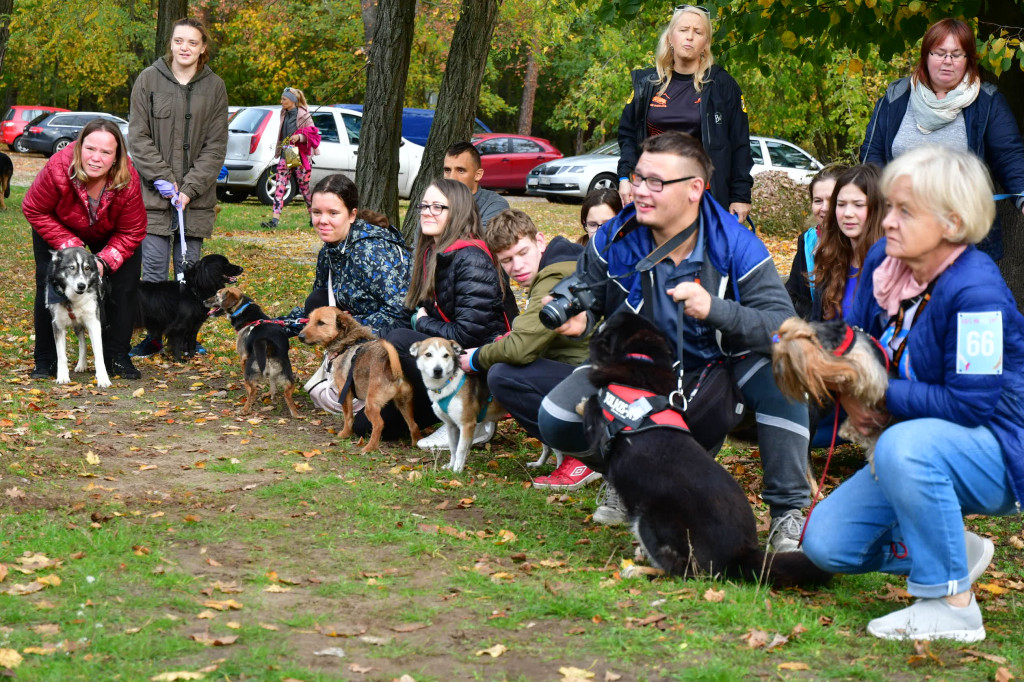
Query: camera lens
[553,314]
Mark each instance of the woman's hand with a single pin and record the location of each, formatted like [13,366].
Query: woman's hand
[183,199]
[297,138]
[422,312]
[866,420]
[625,191]
[741,211]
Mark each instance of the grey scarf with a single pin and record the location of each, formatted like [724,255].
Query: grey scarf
[931,113]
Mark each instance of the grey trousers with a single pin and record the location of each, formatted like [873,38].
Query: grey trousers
[157,250]
[782,431]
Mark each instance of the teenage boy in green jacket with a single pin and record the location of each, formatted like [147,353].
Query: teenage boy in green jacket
[529,361]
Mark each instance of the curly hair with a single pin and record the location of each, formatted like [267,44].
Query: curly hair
[836,254]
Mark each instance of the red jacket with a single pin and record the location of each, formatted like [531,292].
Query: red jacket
[57,207]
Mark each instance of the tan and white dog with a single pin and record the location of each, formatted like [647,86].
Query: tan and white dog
[459,400]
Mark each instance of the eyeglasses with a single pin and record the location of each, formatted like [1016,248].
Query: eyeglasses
[435,209]
[954,56]
[655,184]
[592,226]
[699,8]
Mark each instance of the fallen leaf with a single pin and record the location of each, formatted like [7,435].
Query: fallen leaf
[331,651]
[756,638]
[505,537]
[993,588]
[893,593]
[714,595]
[223,605]
[793,665]
[92,458]
[356,668]
[3,572]
[233,624]
[52,629]
[206,639]
[341,630]
[409,627]
[14,492]
[227,588]
[988,657]
[138,393]
[573,674]
[147,467]
[609,676]
[9,658]
[277,588]
[494,651]
[177,675]
[269,626]
[1003,675]
[777,641]
[206,615]
[301,467]
[39,650]
[21,589]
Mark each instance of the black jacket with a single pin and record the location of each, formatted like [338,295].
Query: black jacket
[468,305]
[725,132]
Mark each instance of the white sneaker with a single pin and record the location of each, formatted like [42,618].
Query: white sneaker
[931,619]
[785,531]
[610,509]
[438,440]
[979,555]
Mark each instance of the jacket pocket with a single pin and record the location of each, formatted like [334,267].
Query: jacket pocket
[161,105]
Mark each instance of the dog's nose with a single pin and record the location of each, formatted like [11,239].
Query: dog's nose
[80,287]
[302,338]
[437,372]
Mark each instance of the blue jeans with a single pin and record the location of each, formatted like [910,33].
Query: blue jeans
[909,520]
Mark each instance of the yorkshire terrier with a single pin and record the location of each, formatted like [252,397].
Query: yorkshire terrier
[810,358]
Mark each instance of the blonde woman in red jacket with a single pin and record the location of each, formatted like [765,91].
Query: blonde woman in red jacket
[88,194]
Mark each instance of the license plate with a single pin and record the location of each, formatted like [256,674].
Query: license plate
[545,181]
[530,182]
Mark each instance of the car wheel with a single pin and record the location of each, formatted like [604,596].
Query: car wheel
[19,146]
[60,144]
[604,181]
[232,195]
[267,185]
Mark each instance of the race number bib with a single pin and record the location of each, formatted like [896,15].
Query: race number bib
[979,343]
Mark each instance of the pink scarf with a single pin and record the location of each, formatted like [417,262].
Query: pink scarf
[894,281]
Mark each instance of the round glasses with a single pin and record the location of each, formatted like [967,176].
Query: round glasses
[592,226]
[434,209]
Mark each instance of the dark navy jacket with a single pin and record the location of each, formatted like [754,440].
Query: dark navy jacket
[725,132]
[992,134]
[748,300]
[971,284]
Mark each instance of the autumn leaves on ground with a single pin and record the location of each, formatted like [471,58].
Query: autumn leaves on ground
[148,531]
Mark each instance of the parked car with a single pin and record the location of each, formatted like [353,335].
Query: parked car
[576,176]
[508,159]
[252,139]
[416,123]
[15,120]
[49,133]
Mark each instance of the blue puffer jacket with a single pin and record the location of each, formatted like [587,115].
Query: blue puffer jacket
[972,284]
[992,134]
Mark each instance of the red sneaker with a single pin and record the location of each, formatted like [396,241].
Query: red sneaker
[571,475]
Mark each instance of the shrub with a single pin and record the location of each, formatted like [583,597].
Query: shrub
[781,206]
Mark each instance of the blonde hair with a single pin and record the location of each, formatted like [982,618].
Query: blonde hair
[120,174]
[664,59]
[301,104]
[948,182]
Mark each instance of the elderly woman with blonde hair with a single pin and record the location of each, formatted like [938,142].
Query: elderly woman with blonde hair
[954,444]
[686,91]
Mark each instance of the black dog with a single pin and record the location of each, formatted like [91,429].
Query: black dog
[176,309]
[6,172]
[689,514]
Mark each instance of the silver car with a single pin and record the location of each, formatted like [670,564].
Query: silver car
[576,176]
[252,140]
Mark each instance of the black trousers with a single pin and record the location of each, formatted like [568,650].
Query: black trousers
[121,305]
[521,388]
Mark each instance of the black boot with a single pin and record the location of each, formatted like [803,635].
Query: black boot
[45,369]
[121,366]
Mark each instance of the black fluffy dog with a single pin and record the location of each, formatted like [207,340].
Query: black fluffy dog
[689,514]
[6,173]
[176,310]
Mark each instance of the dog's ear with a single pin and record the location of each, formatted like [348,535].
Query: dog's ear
[414,348]
[456,349]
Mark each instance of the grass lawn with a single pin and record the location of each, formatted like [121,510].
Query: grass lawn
[148,529]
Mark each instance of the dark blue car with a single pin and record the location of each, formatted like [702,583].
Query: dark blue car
[50,132]
[416,123]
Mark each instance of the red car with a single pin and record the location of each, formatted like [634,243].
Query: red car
[15,120]
[507,159]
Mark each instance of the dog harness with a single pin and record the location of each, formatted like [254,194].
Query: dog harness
[847,343]
[349,356]
[445,400]
[628,409]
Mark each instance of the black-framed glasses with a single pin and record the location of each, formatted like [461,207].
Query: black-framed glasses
[435,209]
[942,56]
[699,8]
[655,184]
[592,226]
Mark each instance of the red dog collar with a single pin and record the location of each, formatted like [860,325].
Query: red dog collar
[844,347]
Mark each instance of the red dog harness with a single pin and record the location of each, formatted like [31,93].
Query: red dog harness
[628,409]
[847,343]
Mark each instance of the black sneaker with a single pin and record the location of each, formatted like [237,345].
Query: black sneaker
[45,370]
[143,349]
[269,224]
[121,366]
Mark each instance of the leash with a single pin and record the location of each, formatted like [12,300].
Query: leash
[824,472]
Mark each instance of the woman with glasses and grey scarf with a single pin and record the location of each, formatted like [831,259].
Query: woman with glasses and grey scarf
[944,102]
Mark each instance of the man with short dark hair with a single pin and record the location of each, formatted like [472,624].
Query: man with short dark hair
[462,163]
[732,300]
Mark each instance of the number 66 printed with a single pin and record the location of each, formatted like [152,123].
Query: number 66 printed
[979,343]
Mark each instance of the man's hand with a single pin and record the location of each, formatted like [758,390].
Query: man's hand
[464,360]
[741,211]
[695,299]
[866,420]
[625,191]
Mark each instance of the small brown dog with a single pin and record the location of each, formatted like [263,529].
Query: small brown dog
[808,357]
[364,367]
[262,345]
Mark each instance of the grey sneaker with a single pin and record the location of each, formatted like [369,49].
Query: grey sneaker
[931,619]
[438,440]
[784,532]
[979,555]
[610,510]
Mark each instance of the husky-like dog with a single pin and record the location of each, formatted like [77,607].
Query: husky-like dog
[74,296]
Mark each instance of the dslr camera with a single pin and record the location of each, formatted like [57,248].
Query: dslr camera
[571,297]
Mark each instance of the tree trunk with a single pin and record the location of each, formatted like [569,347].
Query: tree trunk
[369,8]
[377,164]
[457,101]
[529,92]
[169,12]
[6,8]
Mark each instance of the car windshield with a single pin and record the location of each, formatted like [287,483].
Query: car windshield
[9,115]
[248,120]
[609,149]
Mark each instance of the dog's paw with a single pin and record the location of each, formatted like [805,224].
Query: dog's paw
[102,381]
[81,366]
[581,407]
[63,378]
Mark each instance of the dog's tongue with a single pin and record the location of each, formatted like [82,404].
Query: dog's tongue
[213,311]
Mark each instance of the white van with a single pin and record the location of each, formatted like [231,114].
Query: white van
[252,138]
